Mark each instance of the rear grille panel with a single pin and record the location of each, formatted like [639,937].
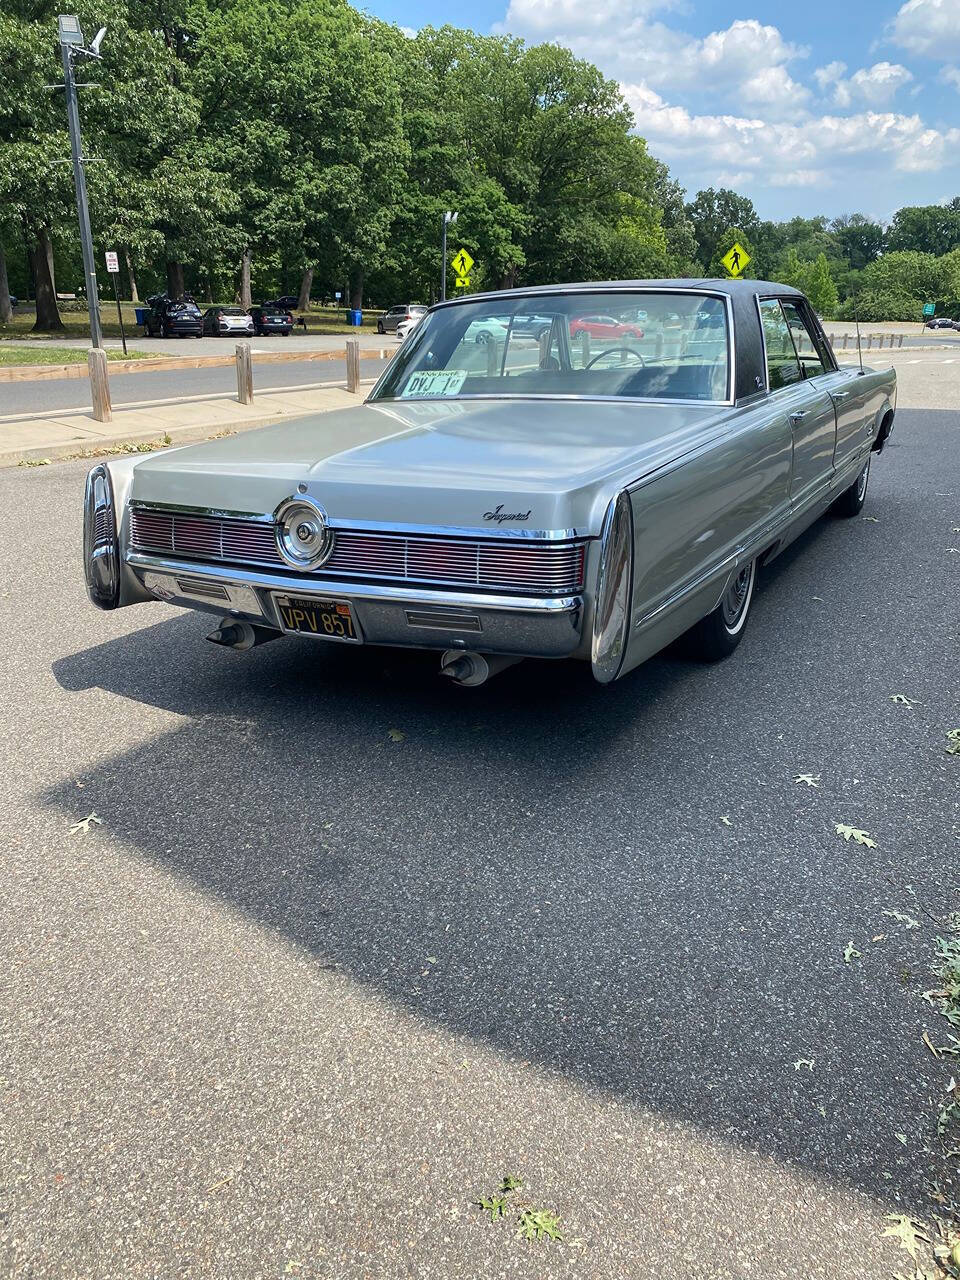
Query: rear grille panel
[539,568]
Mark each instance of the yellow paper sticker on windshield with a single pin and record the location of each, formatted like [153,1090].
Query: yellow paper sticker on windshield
[434,382]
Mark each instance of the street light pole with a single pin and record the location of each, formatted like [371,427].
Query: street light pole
[71,38]
[448,217]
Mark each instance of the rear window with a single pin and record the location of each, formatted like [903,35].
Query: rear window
[590,343]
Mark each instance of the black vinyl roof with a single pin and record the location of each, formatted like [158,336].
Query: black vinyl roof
[714,284]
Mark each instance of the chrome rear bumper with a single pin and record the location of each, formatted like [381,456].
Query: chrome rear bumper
[546,627]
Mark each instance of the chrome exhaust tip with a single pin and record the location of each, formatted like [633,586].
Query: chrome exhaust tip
[473,669]
[234,633]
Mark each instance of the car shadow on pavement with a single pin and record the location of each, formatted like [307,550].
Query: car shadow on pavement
[623,885]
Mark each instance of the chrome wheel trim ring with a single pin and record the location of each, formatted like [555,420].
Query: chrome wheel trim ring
[862,481]
[735,601]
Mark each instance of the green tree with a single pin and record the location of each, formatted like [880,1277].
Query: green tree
[932,229]
[712,212]
[859,239]
[817,283]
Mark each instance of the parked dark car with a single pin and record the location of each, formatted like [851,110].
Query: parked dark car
[941,322]
[288,301]
[269,318]
[173,318]
[223,321]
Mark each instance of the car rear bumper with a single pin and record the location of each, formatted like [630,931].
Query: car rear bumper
[387,615]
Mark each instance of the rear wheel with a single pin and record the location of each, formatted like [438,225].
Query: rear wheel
[850,502]
[718,634]
[380,326]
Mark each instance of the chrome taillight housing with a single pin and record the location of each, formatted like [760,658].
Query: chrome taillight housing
[101,544]
[611,610]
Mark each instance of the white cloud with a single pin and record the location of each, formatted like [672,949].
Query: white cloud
[621,37]
[929,27]
[807,152]
[829,74]
[951,76]
[872,86]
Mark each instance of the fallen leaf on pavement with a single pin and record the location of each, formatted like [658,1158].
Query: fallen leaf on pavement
[804,1062]
[852,833]
[397,735]
[811,779]
[907,1232]
[901,700]
[908,922]
[850,953]
[84,823]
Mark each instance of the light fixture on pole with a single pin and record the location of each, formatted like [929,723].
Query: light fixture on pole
[71,44]
[448,218]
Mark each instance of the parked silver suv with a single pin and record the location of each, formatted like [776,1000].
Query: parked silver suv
[388,321]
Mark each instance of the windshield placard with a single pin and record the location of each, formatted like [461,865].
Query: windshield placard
[434,382]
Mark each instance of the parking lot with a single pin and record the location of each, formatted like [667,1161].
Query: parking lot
[348,944]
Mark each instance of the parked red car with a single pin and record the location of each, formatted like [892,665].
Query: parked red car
[604,327]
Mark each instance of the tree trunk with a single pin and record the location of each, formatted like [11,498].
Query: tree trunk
[306,284]
[509,280]
[6,310]
[50,267]
[175,287]
[134,294]
[246,298]
[356,290]
[48,314]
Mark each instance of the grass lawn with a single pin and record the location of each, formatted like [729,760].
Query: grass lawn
[320,320]
[42,354]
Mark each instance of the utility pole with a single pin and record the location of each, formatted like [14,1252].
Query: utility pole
[71,42]
[448,218]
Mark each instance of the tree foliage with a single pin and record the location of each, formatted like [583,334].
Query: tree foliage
[248,144]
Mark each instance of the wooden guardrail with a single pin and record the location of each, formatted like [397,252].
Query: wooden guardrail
[41,372]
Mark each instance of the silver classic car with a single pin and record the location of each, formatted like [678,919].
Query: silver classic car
[560,490]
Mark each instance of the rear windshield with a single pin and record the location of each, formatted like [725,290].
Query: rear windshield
[633,344]
[233,311]
[273,311]
[184,309]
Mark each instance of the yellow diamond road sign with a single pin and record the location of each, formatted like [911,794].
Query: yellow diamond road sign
[736,259]
[462,263]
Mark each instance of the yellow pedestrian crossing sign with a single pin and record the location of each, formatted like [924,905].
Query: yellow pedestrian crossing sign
[462,262]
[736,259]
[462,282]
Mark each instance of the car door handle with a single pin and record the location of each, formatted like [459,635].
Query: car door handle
[840,395]
[798,416]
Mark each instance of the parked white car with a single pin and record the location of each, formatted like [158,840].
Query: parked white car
[406,326]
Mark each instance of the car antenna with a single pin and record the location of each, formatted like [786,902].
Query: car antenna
[856,316]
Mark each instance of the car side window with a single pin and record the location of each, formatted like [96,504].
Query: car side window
[783,366]
[811,359]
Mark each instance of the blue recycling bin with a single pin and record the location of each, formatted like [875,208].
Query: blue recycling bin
[141,314]
[354,316]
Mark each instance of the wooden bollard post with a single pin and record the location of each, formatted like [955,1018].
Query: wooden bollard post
[899,341]
[244,373]
[845,336]
[353,364]
[99,384]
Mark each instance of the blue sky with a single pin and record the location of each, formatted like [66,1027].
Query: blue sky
[823,107]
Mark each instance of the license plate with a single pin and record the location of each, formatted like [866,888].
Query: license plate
[329,619]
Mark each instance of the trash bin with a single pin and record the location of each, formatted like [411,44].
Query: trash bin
[355,316]
[141,314]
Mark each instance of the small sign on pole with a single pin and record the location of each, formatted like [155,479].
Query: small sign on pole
[113,267]
[929,308]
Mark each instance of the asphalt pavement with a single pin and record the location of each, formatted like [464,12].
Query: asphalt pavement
[350,944]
